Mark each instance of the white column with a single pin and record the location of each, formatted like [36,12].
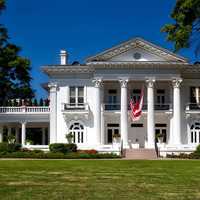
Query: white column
[53,112]
[17,134]
[124,113]
[9,131]
[43,136]
[97,110]
[23,133]
[175,139]
[1,134]
[150,114]
[67,95]
[102,125]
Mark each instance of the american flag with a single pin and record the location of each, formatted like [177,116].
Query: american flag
[136,107]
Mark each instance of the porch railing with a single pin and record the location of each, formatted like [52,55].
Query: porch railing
[193,106]
[112,107]
[25,109]
[74,107]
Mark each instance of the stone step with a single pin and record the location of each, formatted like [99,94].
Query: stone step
[147,154]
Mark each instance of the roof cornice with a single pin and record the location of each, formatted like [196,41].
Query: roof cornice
[137,43]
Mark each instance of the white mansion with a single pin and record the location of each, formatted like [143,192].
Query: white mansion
[91,101]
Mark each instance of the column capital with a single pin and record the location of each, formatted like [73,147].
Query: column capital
[98,83]
[23,122]
[150,82]
[53,86]
[176,82]
[123,82]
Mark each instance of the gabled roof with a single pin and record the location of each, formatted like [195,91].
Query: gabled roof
[137,43]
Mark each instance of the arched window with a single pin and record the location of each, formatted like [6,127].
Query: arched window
[195,133]
[77,130]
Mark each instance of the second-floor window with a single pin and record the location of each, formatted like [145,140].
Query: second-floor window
[135,96]
[76,96]
[160,96]
[195,95]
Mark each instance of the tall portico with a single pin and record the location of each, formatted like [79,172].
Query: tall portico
[124,112]
[150,113]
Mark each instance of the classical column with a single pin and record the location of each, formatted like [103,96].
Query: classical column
[67,94]
[53,112]
[17,134]
[23,133]
[9,131]
[124,113]
[150,114]
[97,110]
[175,139]
[102,116]
[43,136]
[1,134]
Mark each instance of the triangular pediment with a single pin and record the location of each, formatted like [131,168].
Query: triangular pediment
[137,49]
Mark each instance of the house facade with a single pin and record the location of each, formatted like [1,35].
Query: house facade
[91,101]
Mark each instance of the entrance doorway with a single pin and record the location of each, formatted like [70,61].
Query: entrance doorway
[111,130]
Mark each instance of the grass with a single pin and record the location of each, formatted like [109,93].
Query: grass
[99,179]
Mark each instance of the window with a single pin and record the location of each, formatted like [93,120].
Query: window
[136,95]
[194,95]
[160,96]
[77,131]
[76,96]
[195,133]
[112,100]
[136,125]
[161,130]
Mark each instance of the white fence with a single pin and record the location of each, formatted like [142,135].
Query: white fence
[25,109]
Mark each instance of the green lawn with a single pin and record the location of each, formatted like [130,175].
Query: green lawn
[99,179]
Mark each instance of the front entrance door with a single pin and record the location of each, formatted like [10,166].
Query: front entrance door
[111,130]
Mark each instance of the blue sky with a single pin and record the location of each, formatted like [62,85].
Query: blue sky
[83,28]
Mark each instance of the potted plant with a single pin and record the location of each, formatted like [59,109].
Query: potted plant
[29,142]
[116,137]
[69,137]
[11,139]
[160,137]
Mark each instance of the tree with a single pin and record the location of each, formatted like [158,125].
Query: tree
[185,31]
[14,70]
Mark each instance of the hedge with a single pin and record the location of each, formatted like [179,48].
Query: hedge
[62,148]
[50,155]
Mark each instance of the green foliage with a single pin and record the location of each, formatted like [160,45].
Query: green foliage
[41,102]
[35,103]
[14,69]
[62,148]
[186,15]
[6,147]
[58,155]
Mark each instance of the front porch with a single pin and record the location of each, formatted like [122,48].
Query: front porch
[28,124]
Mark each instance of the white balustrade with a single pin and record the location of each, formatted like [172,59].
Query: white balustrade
[25,109]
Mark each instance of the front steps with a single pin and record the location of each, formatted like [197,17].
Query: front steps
[140,154]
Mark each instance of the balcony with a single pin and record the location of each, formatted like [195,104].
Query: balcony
[24,109]
[117,107]
[193,107]
[75,107]
[71,111]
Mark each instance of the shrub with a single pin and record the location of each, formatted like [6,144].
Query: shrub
[6,147]
[90,151]
[62,148]
[3,147]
